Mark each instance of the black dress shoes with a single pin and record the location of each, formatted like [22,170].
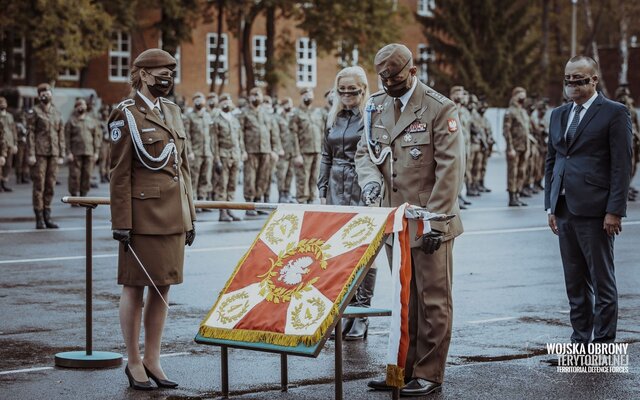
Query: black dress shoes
[379,384]
[420,387]
[162,383]
[137,385]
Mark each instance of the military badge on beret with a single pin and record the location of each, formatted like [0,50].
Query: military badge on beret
[115,135]
[452,125]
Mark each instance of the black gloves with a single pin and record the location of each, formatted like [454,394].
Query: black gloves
[123,236]
[370,193]
[190,237]
[431,241]
[218,167]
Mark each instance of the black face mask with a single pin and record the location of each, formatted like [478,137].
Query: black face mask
[162,86]
[398,89]
[81,110]
[255,102]
[3,108]
[226,108]
[287,109]
[45,99]
[199,106]
[307,101]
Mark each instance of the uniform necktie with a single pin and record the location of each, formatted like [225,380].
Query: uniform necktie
[158,114]
[397,108]
[574,125]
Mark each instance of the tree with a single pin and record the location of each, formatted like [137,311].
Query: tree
[178,19]
[488,47]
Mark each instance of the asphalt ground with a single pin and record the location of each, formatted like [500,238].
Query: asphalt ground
[509,302]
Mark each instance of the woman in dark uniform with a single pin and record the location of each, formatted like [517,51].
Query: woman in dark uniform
[152,210]
[338,181]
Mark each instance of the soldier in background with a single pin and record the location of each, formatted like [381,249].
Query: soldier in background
[46,149]
[307,137]
[212,105]
[540,130]
[488,133]
[284,169]
[267,106]
[478,146]
[199,147]
[105,147]
[256,131]
[515,129]
[457,95]
[623,95]
[10,133]
[229,153]
[21,166]
[83,138]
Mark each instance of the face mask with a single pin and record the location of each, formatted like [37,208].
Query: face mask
[199,106]
[162,86]
[81,110]
[307,101]
[226,108]
[45,99]
[399,88]
[287,109]
[254,101]
[211,103]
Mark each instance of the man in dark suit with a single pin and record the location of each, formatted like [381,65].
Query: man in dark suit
[587,176]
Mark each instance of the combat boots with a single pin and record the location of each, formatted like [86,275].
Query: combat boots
[525,192]
[39,219]
[282,198]
[263,199]
[5,187]
[233,216]
[47,219]
[471,191]
[250,213]
[224,216]
[364,294]
[482,187]
[521,203]
[513,200]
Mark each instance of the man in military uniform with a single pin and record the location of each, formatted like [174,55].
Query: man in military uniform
[478,145]
[515,129]
[83,137]
[488,133]
[267,106]
[46,149]
[540,130]
[197,124]
[10,133]
[284,170]
[420,129]
[307,138]
[212,105]
[228,152]
[457,94]
[623,95]
[105,147]
[21,165]
[258,139]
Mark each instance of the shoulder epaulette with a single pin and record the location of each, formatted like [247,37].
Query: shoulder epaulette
[164,100]
[126,103]
[378,93]
[440,98]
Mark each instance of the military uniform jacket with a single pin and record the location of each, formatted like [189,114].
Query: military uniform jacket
[427,152]
[477,128]
[465,122]
[197,125]
[306,131]
[256,128]
[227,137]
[515,128]
[8,126]
[146,201]
[46,132]
[286,139]
[83,136]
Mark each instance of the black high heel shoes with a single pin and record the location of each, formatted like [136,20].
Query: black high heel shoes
[162,383]
[137,385]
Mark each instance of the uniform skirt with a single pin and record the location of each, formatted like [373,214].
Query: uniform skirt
[161,255]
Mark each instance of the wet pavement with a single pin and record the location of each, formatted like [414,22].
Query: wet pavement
[509,301]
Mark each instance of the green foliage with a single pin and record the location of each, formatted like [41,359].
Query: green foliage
[179,18]
[488,46]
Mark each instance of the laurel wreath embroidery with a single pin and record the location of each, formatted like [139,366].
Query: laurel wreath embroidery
[366,225]
[281,224]
[309,319]
[281,294]
[229,315]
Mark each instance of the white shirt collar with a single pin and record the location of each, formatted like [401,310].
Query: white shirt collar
[407,96]
[587,103]
[149,103]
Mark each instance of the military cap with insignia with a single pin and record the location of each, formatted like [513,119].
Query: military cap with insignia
[305,90]
[455,89]
[155,58]
[392,59]
[43,87]
[197,94]
[225,96]
[518,89]
[212,95]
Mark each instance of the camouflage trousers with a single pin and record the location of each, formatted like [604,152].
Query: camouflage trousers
[517,170]
[307,178]
[225,189]
[256,175]
[80,170]
[201,176]
[284,173]
[21,166]
[105,158]
[44,174]
[474,163]
[8,166]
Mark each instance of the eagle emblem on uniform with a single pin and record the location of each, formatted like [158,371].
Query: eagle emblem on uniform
[452,125]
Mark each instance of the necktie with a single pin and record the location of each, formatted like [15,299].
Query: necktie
[574,124]
[397,108]
[158,114]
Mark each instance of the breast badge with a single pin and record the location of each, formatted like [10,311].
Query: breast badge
[415,153]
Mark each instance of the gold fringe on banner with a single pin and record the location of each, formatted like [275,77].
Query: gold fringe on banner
[395,376]
[282,339]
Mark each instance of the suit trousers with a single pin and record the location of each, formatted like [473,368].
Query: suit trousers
[430,312]
[587,259]
[44,174]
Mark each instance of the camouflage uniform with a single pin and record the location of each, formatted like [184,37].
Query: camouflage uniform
[478,147]
[197,125]
[540,131]
[228,149]
[488,133]
[83,138]
[307,138]
[284,171]
[516,127]
[10,138]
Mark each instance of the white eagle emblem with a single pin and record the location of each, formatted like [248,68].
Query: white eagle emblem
[291,274]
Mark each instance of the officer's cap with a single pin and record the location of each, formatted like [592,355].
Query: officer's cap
[455,89]
[225,96]
[43,87]
[197,94]
[306,90]
[155,58]
[79,101]
[212,95]
[392,59]
[285,101]
[255,91]
[517,90]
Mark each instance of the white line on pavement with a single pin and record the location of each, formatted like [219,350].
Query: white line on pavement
[484,321]
[533,229]
[95,227]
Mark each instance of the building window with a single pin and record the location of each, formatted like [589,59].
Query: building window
[119,57]
[306,57]
[221,64]
[425,55]
[426,7]
[347,59]
[19,51]
[259,57]
[67,74]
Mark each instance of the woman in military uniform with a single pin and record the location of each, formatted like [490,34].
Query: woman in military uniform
[152,210]
[338,181]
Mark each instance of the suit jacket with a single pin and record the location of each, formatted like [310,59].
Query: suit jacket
[146,201]
[596,169]
[428,151]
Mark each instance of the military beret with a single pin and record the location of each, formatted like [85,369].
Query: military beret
[517,90]
[225,96]
[79,101]
[306,90]
[255,91]
[455,89]
[197,94]
[267,99]
[155,58]
[285,101]
[213,95]
[392,59]
[43,87]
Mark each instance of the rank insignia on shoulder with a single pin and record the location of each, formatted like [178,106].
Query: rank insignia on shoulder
[116,134]
[415,153]
[126,103]
[452,125]
[437,96]
[143,130]
[116,124]
[417,127]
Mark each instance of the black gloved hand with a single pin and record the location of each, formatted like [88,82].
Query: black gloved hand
[218,167]
[370,193]
[123,236]
[190,237]
[431,241]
